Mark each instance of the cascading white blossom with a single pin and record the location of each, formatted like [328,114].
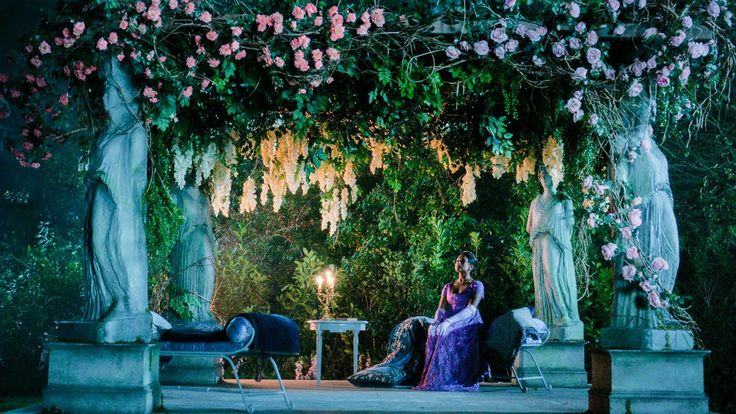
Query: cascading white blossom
[499,165]
[205,164]
[248,199]
[377,150]
[350,180]
[552,155]
[221,186]
[468,186]
[524,170]
[443,155]
[182,164]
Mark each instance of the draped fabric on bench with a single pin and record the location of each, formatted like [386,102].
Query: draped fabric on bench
[405,360]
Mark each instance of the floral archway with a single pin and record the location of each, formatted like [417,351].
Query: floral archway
[277,97]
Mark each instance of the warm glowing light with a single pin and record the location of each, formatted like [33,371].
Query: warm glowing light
[319,279]
[330,279]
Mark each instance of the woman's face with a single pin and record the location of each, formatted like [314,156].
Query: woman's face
[462,265]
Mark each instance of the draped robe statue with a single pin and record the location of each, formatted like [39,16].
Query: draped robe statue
[192,259]
[647,177]
[555,292]
[116,266]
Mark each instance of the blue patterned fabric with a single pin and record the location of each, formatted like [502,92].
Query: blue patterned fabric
[275,334]
[405,359]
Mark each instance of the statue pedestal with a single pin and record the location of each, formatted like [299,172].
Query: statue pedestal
[127,328]
[636,381]
[562,363]
[99,378]
[191,371]
[646,339]
[567,333]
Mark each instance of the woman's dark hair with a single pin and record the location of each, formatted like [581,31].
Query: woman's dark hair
[471,258]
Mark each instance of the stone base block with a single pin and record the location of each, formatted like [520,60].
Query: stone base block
[126,328]
[628,381]
[646,339]
[561,363]
[567,333]
[103,378]
[191,371]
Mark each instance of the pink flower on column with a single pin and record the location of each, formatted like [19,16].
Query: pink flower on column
[211,35]
[646,145]
[636,201]
[191,62]
[112,38]
[659,264]
[278,22]
[632,253]
[635,218]
[64,99]
[609,250]
[628,272]
[646,286]
[654,300]
[205,17]
[263,22]
[240,55]
[225,50]
[352,17]
[187,92]
[626,232]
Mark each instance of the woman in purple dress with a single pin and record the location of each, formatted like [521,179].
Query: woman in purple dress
[451,359]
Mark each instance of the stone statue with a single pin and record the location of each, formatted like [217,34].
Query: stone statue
[193,258]
[555,293]
[645,176]
[114,238]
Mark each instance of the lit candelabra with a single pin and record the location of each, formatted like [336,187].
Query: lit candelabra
[325,291]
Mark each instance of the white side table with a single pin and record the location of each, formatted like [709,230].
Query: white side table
[336,326]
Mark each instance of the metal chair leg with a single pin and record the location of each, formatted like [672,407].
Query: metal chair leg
[248,407]
[289,404]
[539,371]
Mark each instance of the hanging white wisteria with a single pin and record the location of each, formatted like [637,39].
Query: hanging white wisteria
[221,186]
[378,149]
[552,155]
[182,164]
[205,164]
[499,165]
[525,169]
[248,199]
[468,185]
[443,155]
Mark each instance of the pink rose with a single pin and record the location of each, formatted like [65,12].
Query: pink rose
[628,272]
[310,8]
[363,30]
[191,62]
[654,300]
[332,53]
[102,44]
[213,62]
[318,21]
[278,22]
[636,201]
[173,4]
[635,218]
[112,38]
[211,35]
[452,52]
[632,253]
[140,7]
[64,99]
[120,57]
[608,250]
[35,165]
[352,17]
[205,17]
[332,11]
[187,92]
[263,22]
[659,264]
[481,48]
[27,146]
[298,12]
[123,24]
[237,31]
[240,55]
[626,232]
[36,62]
[279,62]
[226,50]
[205,83]
[592,220]
[44,48]
[646,145]
[78,29]
[646,286]
[189,8]
[316,55]
[377,17]
[234,45]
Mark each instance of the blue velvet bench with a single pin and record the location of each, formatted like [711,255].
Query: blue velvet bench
[249,334]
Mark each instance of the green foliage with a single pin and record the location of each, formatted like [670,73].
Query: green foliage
[240,286]
[37,287]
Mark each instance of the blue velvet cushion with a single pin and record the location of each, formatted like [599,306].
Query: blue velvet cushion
[275,334]
[239,329]
[215,346]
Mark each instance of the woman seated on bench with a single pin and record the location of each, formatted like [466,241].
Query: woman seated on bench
[451,359]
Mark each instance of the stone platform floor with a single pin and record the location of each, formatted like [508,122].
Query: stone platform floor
[334,397]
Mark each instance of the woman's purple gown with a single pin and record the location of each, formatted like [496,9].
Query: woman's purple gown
[451,361]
